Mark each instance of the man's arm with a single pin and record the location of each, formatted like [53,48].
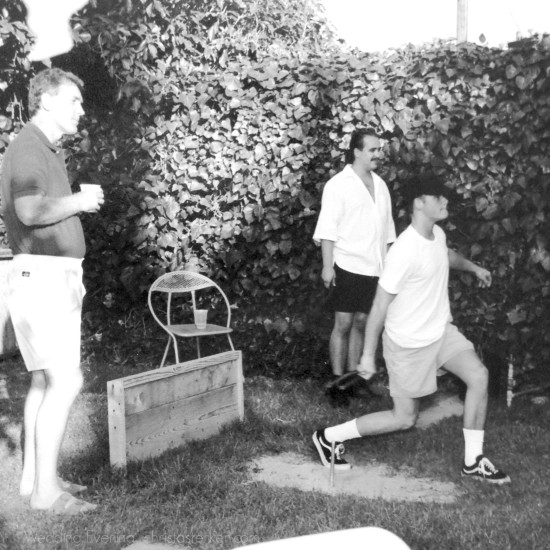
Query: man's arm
[35,210]
[375,324]
[456,261]
[327,248]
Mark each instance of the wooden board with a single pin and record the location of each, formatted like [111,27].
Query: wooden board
[164,408]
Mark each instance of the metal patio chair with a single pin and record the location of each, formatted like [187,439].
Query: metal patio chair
[191,289]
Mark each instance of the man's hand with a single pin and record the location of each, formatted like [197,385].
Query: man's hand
[329,277]
[367,367]
[483,276]
[91,201]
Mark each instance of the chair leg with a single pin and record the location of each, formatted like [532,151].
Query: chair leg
[176,350]
[230,342]
[198,347]
[165,353]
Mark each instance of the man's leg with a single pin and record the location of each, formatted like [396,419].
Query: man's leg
[339,341]
[402,417]
[62,387]
[356,339]
[35,396]
[469,368]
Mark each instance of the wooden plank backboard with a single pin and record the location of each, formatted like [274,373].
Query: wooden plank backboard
[164,408]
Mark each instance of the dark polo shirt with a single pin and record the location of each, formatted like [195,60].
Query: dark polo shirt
[34,166]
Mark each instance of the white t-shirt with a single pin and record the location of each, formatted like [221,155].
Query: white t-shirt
[360,227]
[417,271]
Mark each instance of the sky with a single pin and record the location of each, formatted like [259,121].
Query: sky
[382,24]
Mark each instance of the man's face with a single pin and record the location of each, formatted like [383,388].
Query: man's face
[65,107]
[370,154]
[434,207]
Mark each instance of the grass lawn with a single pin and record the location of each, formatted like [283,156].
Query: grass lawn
[202,495]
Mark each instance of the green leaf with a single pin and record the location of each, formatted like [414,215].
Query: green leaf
[516,316]
[443,125]
[511,71]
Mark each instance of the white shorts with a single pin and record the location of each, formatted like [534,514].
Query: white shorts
[413,371]
[45,303]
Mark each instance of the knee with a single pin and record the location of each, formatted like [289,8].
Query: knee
[406,421]
[66,383]
[342,326]
[75,382]
[359,321]
[38,381]
[479,378]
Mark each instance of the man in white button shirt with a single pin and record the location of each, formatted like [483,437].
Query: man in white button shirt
[412,306]
[354,229]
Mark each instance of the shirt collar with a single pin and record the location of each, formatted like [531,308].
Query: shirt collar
[350,172]
[33,128]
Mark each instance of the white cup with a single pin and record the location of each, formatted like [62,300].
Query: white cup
[90,188]
[200,318]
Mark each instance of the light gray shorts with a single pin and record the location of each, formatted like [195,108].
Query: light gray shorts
[45,303]
[413,371]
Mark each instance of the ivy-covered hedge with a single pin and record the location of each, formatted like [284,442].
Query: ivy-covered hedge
[213,134]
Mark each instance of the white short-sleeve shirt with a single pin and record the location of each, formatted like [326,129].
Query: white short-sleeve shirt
[417,272]
[360,227]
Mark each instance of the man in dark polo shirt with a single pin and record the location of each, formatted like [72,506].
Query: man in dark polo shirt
[45,288]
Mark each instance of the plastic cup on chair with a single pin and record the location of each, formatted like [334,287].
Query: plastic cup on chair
[200,318]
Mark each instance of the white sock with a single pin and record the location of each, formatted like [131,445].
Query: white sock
[342,432]
[473,445]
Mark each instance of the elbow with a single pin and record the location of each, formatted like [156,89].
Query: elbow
[29,212]
[27,219]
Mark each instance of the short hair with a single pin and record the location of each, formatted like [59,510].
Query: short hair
[49,81]
[357,141]
[424,184]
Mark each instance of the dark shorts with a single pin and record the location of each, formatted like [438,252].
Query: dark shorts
[352,292]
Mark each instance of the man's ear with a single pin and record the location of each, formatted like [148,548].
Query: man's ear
[46,101]
[418,202]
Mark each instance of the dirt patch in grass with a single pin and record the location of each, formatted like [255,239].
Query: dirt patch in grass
[368,480]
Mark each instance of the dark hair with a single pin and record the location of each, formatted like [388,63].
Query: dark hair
[357,141]
[424,184]
[49,81]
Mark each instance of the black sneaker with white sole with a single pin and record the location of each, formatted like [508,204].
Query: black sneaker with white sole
[325,450]
[484,470]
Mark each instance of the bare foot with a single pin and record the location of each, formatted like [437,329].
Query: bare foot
[26,488]
[68,505]
[44,501]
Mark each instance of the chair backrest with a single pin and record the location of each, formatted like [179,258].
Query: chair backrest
[180,282]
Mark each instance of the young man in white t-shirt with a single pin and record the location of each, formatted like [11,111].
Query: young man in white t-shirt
[412,305]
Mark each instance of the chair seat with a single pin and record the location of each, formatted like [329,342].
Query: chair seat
[203,293]
[190,331]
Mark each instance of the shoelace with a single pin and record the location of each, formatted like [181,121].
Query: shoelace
[486,466]
[339,450]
